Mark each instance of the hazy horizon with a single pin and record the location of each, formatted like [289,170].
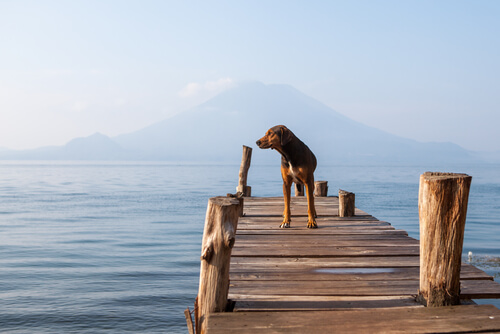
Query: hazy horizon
[422,70]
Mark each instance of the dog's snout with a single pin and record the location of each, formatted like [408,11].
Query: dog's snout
[258,142]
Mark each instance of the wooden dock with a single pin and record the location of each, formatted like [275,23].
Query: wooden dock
[351,275]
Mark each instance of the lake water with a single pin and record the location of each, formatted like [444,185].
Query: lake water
[114,247]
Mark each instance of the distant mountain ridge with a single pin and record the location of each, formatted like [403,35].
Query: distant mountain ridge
[94,147]
[215,131]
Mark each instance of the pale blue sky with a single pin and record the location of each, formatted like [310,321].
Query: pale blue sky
[426,70]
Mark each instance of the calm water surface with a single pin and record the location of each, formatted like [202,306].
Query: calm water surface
[114,247]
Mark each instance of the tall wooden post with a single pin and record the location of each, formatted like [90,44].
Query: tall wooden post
[321,188]
[245,165]
[442,208]
[347,205]
[218,239]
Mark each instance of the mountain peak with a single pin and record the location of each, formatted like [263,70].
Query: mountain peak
[216,130]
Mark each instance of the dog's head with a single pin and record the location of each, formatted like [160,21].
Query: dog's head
[275,138]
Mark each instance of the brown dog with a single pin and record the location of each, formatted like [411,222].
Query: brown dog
[297,165]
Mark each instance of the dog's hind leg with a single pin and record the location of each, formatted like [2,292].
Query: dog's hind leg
[311,209]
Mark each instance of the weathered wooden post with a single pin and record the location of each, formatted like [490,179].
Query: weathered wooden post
[442,208]
[240,198]
[347,205]
[245,165]
[299,189]
[218,239]
[321,188]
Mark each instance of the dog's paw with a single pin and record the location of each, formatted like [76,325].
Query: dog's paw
[285,225]
[312,224]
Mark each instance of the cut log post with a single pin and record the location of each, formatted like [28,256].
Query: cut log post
[245,165]
[442,208]
[347,205]
[299,189]
[218,239]
[239,197]
[321,188]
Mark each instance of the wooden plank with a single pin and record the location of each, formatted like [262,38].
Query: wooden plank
[289,303]
[479,289]
[303,230]
[327,288]
[316,263]
[328,240]
[331,221]
[454,319]
[263,218]
[356,226]
[315,251]
[470,289]
[343,274]
[278,298]
[350,229]
[332,241]
[300,305]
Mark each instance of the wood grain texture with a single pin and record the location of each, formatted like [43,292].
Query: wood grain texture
[442,206]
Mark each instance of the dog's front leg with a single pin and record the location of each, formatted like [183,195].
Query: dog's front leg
[311,209]
[287,189]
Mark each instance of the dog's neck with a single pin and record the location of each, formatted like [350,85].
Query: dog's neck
[289,152]
[284,155]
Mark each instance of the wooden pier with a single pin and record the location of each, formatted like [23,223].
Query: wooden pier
[351,275]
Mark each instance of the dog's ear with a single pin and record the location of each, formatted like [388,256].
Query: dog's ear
[286,136]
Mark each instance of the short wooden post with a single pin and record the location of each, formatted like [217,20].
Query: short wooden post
[346,203]
[442,208]
[245,165]
[218,239]
[321,188]
[299,189]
